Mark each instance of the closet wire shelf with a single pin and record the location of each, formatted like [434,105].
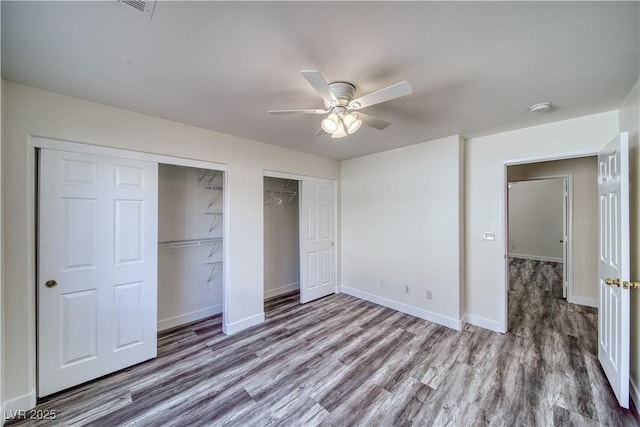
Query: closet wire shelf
[273,200]
[189,242]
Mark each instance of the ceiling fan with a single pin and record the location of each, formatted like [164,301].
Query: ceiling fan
[344,117]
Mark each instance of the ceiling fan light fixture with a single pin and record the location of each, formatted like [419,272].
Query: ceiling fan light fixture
[340,132]
[352,123]
[330,124]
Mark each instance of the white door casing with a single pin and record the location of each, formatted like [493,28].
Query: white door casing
[317,240]
[565,237]
[97,228]
[613,252]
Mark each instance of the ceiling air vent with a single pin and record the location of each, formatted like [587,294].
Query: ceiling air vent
[144,8]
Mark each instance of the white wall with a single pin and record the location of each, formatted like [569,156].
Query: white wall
[630,122]
[281,241]
[401,217]
[536,219]
[30,111]
[188,288]
[584,172]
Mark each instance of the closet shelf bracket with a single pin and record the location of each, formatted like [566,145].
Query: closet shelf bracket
[212,273]
[214,220]
[207,177]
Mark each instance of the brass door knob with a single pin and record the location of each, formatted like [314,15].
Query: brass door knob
[624,284]
[610,281]
[50,283]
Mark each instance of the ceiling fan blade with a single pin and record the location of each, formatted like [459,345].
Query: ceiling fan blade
[307,111]
[387,94]
[373,122]
[318,82]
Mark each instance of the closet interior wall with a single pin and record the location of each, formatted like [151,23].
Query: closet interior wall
[281,241]
[189,244]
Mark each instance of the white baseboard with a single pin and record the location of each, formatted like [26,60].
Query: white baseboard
[482,322]
[189,317]
[536,257]
[284,289]
[634,393]
[241,325]
[589,302]
[404,308]
[12,407]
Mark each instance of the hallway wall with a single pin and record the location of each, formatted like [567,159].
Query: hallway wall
[536,219]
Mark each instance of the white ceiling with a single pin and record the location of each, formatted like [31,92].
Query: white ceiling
[475,67]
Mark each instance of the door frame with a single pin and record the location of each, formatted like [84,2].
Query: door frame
[503,226]
[36,143]
[297,177]
[567,225]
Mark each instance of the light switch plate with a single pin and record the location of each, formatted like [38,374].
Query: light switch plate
[488,235]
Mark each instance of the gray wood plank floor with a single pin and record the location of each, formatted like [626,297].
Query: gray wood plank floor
[344,361]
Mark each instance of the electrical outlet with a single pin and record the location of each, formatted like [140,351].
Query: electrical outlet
[429,295]
[407,289]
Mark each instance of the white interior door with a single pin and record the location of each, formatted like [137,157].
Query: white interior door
[317,240]
[97,266]
[613,248]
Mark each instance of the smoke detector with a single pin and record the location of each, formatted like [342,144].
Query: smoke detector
[542,107]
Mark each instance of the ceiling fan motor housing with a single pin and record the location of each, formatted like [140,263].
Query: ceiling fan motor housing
[344,91]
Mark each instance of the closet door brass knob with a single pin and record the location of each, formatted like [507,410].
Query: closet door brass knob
[50,283]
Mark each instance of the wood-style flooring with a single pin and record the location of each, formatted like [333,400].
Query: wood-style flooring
[341,361]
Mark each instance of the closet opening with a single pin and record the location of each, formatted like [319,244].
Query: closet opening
[190,244]
[134,244]
[281,239]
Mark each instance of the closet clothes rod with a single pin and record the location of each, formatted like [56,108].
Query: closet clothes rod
[189,242]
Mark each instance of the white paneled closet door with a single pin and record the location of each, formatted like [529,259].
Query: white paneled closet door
[97,266]
[317,240]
